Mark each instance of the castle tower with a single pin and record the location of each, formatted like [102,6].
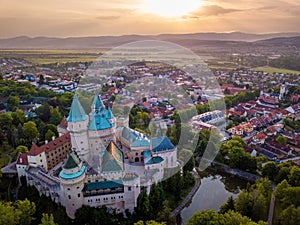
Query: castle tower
[72,179]
[77,125]
[101,128]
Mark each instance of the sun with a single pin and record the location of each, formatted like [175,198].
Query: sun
[171,8]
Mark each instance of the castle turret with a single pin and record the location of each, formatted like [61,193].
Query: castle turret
[77,125]
[72,179]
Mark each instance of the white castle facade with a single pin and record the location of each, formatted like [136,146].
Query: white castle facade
[97,160]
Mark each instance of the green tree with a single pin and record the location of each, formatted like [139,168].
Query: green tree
[20,148]
[9,215]
[143,208]
[281,140]
[18,117]
[227,206]
[56,116]
[44,112]
[207,217]
[49,134]
[30,131]
[13,103]
[156,199]
[269,170]
[47,219]
[27,210]
[294,178]
[290,216]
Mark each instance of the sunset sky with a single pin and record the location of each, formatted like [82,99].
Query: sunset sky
[57,18]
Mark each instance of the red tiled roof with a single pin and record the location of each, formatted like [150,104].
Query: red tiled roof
[22,159]
[52,145]
[63,123]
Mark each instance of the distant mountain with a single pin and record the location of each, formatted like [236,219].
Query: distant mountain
[294,41]
[187,40]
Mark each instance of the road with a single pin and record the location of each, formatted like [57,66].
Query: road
[180,207]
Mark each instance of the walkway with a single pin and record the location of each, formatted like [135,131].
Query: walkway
[180,207]
[272,205]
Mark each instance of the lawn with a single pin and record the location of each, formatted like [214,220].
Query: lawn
[268,69]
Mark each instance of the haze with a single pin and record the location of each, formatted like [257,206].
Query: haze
[66,18]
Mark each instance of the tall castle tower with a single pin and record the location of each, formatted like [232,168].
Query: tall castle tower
[101,129]
[72,179]
[77,125]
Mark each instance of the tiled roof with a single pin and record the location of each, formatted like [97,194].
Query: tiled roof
[50,146]
[99,122]
[102,185]
[77,113]
[109,114]
[112,159]
[72,162]
[22,159]
[63,123]
[161,144]
[97,102]
[154,160]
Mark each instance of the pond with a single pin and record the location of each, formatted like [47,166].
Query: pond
[214,190]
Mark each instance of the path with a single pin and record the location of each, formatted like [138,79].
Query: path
[272,205]
[180,207]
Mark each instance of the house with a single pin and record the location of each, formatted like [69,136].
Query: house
[260,138]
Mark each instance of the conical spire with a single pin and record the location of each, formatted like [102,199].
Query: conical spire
[109,114]
[77,113]
[97,102]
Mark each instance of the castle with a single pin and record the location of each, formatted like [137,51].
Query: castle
[96,160]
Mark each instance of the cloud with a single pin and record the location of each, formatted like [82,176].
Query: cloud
[210,10]
[108,17]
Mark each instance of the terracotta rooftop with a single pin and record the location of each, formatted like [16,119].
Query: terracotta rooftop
[52,145]
[22,159]
[63,123]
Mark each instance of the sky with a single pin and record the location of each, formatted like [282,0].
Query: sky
[74,18]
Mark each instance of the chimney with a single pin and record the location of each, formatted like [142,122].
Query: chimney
[53,138]
[46,141]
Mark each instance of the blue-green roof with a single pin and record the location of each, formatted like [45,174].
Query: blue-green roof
[147,155]
[72,161]
[72,175]
[102,185]
[112,160]
[140,143]
[99,122]
[161,144]
[154,160]
[109,114]
[97,102]
[77,113]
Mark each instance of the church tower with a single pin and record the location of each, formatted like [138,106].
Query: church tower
[77,125]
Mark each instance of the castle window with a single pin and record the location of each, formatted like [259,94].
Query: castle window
[129,188]
[69,196]
[78,195]
[77,187]
[81,142]
[68,189]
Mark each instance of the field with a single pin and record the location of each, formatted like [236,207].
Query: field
[40,57]
[268,69]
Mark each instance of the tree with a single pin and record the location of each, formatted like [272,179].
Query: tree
[47,219]
[20,148]
[269,170]
[49,134]
[281,140]
[209,217]
[149,222]
[290,216]
[27,209]
[244,203]
[294,178]
[56,116]
[44,113]
[8,214]
[18,117]
[30,131]
[13,103]
[227,206]
[143,208]
[156,199]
